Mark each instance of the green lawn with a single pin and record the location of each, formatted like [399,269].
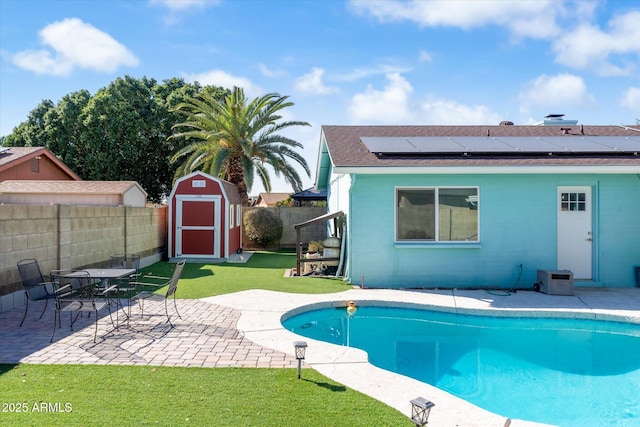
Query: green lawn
[98,395]
[90,395]
[264,270]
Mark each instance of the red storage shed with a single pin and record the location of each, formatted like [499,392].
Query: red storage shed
[205,218]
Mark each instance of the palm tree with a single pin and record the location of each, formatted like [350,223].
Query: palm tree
[234,140]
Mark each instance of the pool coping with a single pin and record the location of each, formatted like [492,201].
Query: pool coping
[262,313]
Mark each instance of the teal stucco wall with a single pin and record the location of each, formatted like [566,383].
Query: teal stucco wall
[518,232]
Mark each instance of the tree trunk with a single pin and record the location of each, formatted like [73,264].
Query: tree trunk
[235,175]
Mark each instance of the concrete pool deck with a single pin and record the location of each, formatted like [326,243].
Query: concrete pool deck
[260,322]
[244,329]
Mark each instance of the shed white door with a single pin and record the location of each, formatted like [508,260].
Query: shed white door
[575,239]
[198,226]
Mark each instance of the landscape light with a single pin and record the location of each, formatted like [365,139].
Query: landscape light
[301,348]
[420,409]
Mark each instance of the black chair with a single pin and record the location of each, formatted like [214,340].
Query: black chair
[125,261]
[36,288]
[123,288]
[75,293]
[146,290]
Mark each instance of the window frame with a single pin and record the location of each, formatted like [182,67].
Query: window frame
[232,214]
[435,241]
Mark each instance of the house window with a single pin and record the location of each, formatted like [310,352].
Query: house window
[440,214]
[231,215]
[239,215]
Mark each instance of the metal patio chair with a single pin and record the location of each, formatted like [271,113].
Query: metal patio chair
[36,287]
[77,295]
[146,290]
[123,288]
[125,261]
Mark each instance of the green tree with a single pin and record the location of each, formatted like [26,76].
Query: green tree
[236,139]
[32,132]
[120,133]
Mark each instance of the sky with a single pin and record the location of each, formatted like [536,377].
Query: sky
[341,62]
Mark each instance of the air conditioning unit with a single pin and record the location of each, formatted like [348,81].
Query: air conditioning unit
[555,282]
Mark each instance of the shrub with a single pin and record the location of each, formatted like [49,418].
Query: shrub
[262,226]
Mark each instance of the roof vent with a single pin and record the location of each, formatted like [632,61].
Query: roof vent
[557,120]
[506,123]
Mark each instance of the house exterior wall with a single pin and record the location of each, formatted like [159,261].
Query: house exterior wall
[42,169]
[517,226]
[134,197]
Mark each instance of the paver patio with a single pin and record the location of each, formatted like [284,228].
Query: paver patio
[206,336]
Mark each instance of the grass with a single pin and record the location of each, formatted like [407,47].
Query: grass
[99,395]
[264,270]
[162,396]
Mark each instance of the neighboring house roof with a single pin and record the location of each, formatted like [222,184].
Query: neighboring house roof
[343,149]
[11,157]
[271,199]
[68,187]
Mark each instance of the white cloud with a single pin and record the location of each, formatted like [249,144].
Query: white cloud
[394,105]
[226,80]
[448,112]
[180,5]
[425,56]
[390,105]
[361,73]
[178,8]
[562,90]
[522,18]
[75,44]
[312,83]
[271,73]
[631,99]
[590,47]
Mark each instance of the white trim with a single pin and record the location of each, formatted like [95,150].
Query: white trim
[489,170]
[218,202]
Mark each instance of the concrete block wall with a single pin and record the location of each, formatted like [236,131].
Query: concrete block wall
[61,236]
[26,232]
[291,216]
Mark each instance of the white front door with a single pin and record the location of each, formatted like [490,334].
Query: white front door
[575,237]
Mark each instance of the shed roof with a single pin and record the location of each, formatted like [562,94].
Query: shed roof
[68,187]
[12,156]
[230,190]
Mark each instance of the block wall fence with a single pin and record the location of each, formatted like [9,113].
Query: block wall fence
[61,237]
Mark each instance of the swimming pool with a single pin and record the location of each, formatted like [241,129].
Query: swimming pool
[567,372]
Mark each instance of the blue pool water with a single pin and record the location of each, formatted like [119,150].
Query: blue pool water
[567,372]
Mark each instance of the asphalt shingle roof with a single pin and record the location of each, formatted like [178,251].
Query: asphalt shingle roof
[346,148]
[66,187]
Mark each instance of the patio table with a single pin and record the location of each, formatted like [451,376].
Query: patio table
[104,275]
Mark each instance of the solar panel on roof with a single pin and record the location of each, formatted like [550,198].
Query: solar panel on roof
[388,145]
[517,145]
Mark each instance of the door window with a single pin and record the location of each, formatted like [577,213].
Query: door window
[573,201]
